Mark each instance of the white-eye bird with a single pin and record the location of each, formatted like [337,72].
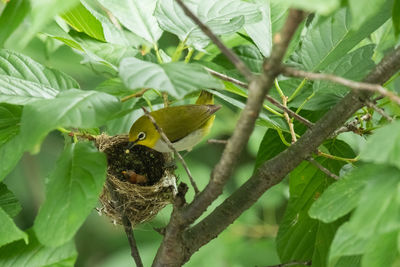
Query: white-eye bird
[184,125]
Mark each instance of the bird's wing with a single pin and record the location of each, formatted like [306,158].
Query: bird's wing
[177,122]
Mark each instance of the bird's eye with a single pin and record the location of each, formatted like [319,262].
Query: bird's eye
[141,136]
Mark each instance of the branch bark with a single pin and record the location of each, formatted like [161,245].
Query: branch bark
[175,250]
[273,171]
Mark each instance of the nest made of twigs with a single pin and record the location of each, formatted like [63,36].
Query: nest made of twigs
[120,197]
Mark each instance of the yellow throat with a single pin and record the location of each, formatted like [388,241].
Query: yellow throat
[184,126]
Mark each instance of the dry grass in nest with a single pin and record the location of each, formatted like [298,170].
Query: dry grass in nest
[139,202]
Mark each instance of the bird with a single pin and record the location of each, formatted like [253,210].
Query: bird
[184,125]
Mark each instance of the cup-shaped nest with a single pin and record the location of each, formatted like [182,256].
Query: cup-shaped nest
[138,186]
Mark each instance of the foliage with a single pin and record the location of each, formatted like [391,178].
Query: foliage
[130,45]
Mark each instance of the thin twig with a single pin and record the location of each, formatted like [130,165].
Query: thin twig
[323,169]
[126,224]
[305,263]
[240,66]
[301,119]
[276,169]
[351,126]
[132,242]
[288,120]
[137,94]
[329,156]
[376,88]
[171,146]
[379,110]
[216,141]
[224,77]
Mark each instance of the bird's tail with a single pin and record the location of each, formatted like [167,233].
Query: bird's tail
[205,98]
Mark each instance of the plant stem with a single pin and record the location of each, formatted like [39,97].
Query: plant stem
[298,89]
[178,51]
[189,54]
[159,59]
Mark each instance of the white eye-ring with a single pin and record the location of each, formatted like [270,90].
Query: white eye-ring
[141,135]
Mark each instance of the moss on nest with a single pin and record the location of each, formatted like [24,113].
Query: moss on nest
[139,203]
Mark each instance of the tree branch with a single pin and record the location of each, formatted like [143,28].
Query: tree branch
[376,88]
[270,99]
[240,66]
[301,119]
[175,250]
[274,170]
[258,89]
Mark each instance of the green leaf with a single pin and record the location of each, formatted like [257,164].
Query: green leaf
[377,213]
[383,146]
[71,193]
[11,17]
[176,78]
[322,7]
[307,182]
[10,146]
[265,119]
[346,243]
[82,20]
[23,80]
[223,17]
[329,39]
[380,250]
[72,108]
[10,117]
[137,16]
[270,146]
[343,196]
[396,17]
[353,66]
[9,232]
[107,54]
[378,208]
[363,10]
[261,32]
[35,254]
[42,11]
[8,202]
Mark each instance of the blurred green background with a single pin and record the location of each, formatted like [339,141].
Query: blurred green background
[248,242]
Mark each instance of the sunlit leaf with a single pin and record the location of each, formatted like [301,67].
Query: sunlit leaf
[72,108]
[23,80]
[176,78]
[223,17]
[137,16]
[83,21]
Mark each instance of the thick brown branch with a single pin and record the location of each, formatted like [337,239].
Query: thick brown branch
[258,89]
[240,66]
[274,170]
[376,88]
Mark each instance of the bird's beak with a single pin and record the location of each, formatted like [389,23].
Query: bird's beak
[132,144]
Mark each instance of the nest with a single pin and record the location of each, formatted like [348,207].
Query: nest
[138,186]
